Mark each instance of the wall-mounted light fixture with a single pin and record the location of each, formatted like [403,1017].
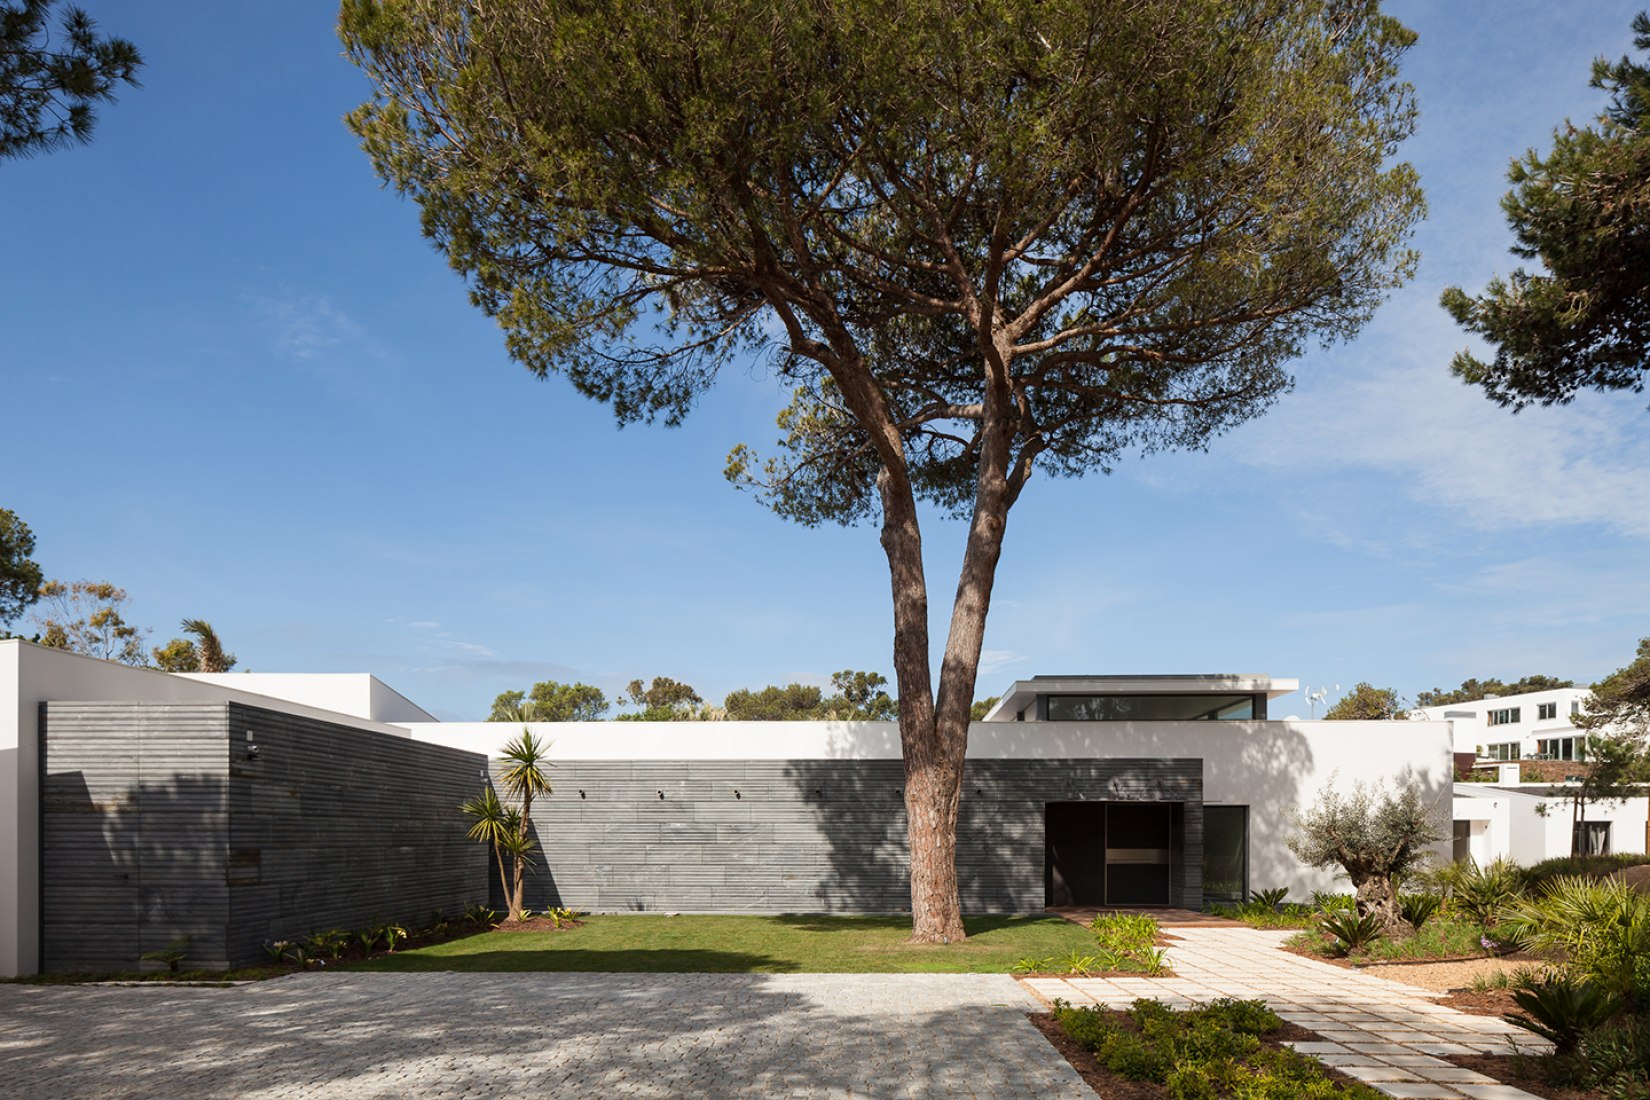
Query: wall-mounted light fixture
[251,749]
[736,793]
[581,794]
[661,796]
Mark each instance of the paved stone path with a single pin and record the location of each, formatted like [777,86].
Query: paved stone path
[1379,1031]
[345,1036]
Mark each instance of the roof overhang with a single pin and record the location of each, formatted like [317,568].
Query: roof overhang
[1023,693]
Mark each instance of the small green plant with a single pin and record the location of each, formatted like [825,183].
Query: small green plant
[1272,898]
[391,934]
[1032,965]
[1352,930]
[330,943]
[1564,1011]
[1419,908]
[172,954]
[1126,941]
[480,915]
[277,949]
[1325,902]
[1483,892]
[563,917]
[367,939]
[1081,964]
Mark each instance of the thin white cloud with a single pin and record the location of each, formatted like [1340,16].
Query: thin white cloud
[1444,446]
[995,660]
[304,326]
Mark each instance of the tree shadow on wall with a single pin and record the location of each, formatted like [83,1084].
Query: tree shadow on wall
[858,807]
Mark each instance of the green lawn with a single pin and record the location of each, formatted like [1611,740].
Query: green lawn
[651,943]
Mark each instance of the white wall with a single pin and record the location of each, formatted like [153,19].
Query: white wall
[29,676]
[357,693]
[1273,767]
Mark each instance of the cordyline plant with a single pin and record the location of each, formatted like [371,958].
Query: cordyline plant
[508,829]
[974,238]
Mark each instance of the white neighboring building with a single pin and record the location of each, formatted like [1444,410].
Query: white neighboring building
[1536,725]
[1530,822]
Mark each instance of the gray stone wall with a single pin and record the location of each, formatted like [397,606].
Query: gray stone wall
[157,822]
[817,835]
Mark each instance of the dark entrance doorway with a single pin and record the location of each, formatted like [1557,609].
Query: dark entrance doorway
[1108,853]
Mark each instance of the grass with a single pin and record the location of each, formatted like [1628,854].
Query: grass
[653,943]
[1440,938]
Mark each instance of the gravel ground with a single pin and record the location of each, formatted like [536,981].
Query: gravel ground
[1442,976]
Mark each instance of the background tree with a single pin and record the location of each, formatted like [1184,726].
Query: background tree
[1365,701]
[973,239]
[1373,835]
[793,702]
[87,617]
[858,697]
[20,576]
[981,708]
[1583,211]
[663,700]
[202,653]
[50,83]
[1617,722]
[1473,690]
[550,701]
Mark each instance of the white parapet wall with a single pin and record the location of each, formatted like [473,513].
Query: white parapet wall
[31,675]
[1273,767]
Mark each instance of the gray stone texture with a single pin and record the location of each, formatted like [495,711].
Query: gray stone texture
[158,822]
[778,836]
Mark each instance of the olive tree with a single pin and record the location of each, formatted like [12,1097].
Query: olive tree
[974,239]
[1373,834]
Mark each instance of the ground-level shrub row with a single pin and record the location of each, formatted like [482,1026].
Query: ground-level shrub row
[1202,1053]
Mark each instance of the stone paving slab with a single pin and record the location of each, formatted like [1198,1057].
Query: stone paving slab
[1380,1031]
[350,1036]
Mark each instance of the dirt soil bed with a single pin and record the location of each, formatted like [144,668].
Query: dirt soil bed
[1109,1085]
[1487,1002]
[536,924]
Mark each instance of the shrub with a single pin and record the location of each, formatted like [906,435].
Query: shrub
[1601,927]
[1030,965]
[1352,930]
[1419,908]
[1126,941]
[1483,892]
[1564,1010]
[1616,1058]
[1538,875]
[1272,898]
[1201,1053]
[1079,963]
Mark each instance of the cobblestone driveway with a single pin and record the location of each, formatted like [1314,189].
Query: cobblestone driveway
[526,1035]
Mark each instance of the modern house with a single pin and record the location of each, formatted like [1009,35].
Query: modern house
[1536,725]
[239,808]
[1530,822]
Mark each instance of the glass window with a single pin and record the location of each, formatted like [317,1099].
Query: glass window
[1506,750]
[1147,708]
[1507,716]
[1592,838]
[1225,853]
[1546,710]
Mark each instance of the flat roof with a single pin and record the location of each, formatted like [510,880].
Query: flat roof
[1024,692]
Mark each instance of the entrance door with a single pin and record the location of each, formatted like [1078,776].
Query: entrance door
[1074,861]
[1139,852]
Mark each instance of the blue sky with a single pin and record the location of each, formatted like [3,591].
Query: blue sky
[240,384]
